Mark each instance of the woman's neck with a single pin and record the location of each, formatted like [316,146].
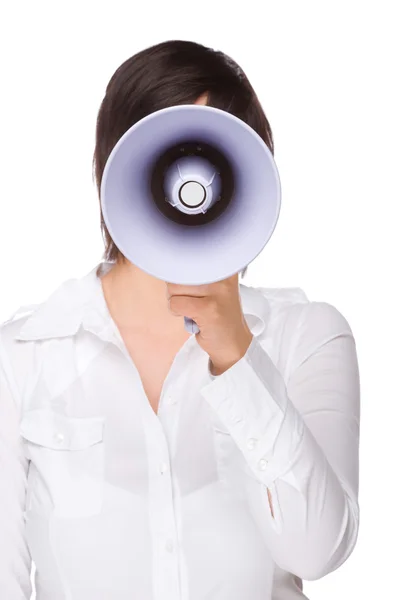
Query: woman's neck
[138,301]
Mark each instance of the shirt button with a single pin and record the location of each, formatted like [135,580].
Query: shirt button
[59,437]
[262,464]
[171,400]
[169,546]
[251,443]
[163,467]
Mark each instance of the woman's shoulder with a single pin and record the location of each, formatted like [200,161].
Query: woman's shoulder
[292,303]
[298,321]
[298,327]
[10,328]
[33,322]
[22,316]
[56,316]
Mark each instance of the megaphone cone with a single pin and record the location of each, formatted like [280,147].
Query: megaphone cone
[191,195]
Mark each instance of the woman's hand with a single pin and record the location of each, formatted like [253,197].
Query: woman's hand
[216,309]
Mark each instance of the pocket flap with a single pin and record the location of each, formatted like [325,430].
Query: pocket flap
[54,430]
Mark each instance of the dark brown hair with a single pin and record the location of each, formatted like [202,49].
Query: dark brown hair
[167,74]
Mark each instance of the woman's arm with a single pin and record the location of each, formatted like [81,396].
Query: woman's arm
[300,441]
[15,560]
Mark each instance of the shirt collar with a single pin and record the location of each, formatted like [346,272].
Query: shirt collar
[80,303]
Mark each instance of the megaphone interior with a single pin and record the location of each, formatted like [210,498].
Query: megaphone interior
[191,195]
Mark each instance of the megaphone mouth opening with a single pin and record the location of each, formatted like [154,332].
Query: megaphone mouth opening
[191,148]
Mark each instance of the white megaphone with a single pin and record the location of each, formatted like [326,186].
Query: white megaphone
[191,195]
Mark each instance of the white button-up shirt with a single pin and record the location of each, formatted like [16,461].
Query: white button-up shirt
[114,502]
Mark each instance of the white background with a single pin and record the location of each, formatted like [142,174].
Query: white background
[326,75]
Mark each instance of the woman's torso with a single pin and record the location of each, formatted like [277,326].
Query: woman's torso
[135,487]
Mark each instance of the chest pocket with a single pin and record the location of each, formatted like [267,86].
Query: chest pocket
[66,473]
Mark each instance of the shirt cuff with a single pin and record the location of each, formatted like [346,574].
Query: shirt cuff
[251,400]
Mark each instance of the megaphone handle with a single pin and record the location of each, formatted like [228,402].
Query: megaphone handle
[190,325]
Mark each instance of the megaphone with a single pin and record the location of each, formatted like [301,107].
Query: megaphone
[191,195]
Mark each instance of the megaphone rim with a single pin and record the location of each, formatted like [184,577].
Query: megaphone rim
[190,108]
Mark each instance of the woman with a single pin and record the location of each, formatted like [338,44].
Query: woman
[139,461]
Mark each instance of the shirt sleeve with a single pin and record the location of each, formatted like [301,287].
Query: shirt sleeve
[15,560]
[300,439]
